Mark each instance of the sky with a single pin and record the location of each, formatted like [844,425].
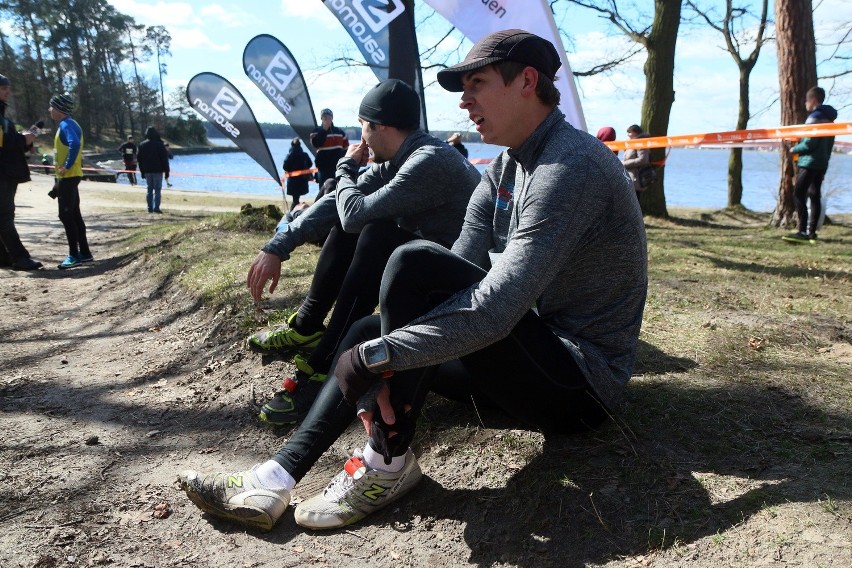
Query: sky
[210,36]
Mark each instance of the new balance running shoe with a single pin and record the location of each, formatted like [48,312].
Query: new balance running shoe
[291,404]
[86,257]
[356,492]
[282,338]
[238,496]
[69,262]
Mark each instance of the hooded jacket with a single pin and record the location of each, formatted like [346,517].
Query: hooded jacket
[152,156]
[814,153]
[13,148]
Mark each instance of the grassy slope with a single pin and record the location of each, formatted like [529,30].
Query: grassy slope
[733,449]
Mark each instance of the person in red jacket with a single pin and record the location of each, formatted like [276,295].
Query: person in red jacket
[330,143]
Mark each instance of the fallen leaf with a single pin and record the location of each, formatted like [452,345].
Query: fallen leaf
[756,343]
[162,511]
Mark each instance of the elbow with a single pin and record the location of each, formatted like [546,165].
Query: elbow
[351,224]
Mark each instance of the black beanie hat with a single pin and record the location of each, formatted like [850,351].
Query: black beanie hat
[4,81]
[391,103]
[63,103]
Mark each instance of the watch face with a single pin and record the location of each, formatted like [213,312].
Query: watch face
[375,354]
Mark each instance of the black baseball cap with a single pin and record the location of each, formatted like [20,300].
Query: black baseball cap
[507,45]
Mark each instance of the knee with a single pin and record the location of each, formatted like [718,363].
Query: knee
[412,259]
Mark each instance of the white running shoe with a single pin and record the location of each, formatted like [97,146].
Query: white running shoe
[236,496]
[356,492]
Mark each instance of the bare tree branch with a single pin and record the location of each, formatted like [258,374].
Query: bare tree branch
[609,65]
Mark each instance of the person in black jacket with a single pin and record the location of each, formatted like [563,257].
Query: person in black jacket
[128,155]
[331,145]
[153,163]
[13,170]
[455,142]
[297,160]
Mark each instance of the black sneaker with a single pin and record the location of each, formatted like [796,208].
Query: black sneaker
[86,258]
[27,264]
[812,238]
[291,404]
[796,238]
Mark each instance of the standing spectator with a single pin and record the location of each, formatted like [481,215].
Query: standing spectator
[68,152]
[607,134]
[153,163]
[297,160]
[635,160]
[814,154]
[13,170]
[128,154]
[455,142]
[330,143]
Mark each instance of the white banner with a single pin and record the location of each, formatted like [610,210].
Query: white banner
[478,18]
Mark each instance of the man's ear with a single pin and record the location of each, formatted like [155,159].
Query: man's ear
[529,77]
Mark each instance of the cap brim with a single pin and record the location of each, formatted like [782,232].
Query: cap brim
[451,77]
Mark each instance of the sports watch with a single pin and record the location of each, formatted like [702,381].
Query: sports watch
[376,356]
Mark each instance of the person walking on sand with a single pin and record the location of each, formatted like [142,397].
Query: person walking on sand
[297,160]
[330,143]
[128,155]
[68,152]
[13,171]
[153,164]
[814,154]
[552,225]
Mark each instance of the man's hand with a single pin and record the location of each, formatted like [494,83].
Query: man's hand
[359,152]
[385,409]
[60,170]
[265,267]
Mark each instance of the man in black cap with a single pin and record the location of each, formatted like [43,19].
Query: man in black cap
[416,188]
[13,170]
[552,225]
[330,143]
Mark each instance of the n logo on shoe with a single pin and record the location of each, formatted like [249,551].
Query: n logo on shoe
[235,481]
[374,492]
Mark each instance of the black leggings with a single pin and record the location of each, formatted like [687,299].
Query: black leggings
[808,185]
[11,248]
[68,197]
[530,375]
[348,275]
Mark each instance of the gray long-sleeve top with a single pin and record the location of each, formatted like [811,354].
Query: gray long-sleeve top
[564,215]
[425,188]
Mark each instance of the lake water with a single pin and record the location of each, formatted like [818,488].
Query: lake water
[694,178]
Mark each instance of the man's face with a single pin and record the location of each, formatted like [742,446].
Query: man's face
[632,134]
[55,114]
[490,104]
[5,93]
[326,120]
[811,103]
[375,139]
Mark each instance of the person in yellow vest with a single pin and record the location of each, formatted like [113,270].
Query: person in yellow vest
[68,157]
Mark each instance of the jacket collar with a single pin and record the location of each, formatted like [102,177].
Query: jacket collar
[528,152]
[412,142]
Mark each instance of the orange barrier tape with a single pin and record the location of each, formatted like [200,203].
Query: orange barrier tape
[783,132]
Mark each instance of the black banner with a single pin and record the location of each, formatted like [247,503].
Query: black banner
[217,100]
[271,66]
[384,32]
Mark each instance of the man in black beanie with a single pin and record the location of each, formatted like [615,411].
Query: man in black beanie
[13,170]
[417,187]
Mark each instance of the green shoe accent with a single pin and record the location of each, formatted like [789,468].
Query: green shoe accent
[796,238]
[282,338]
[291,404]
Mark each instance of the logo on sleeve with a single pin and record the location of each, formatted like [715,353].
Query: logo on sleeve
[504,196]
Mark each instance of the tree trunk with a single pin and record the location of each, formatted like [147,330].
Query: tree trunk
[794,33]
[735,161]
[659,94]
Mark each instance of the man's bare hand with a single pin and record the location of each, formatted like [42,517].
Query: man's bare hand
[265,267]
[359,152]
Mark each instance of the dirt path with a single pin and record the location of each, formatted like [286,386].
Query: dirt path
[112,381]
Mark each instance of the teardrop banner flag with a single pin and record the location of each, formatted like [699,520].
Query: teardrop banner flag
[271,66]
[216,99]
[384,32]
[478,19]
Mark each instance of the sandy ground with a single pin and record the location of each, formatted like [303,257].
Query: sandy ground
[112,381]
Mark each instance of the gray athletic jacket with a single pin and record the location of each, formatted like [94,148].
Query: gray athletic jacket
[425,188]
[563,213]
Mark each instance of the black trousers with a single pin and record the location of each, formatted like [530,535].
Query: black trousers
[11,248]
[68,196]
[530,375]
[808,185]
[348,275]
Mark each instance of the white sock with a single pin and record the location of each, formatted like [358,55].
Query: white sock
[272,476]
[375,460]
